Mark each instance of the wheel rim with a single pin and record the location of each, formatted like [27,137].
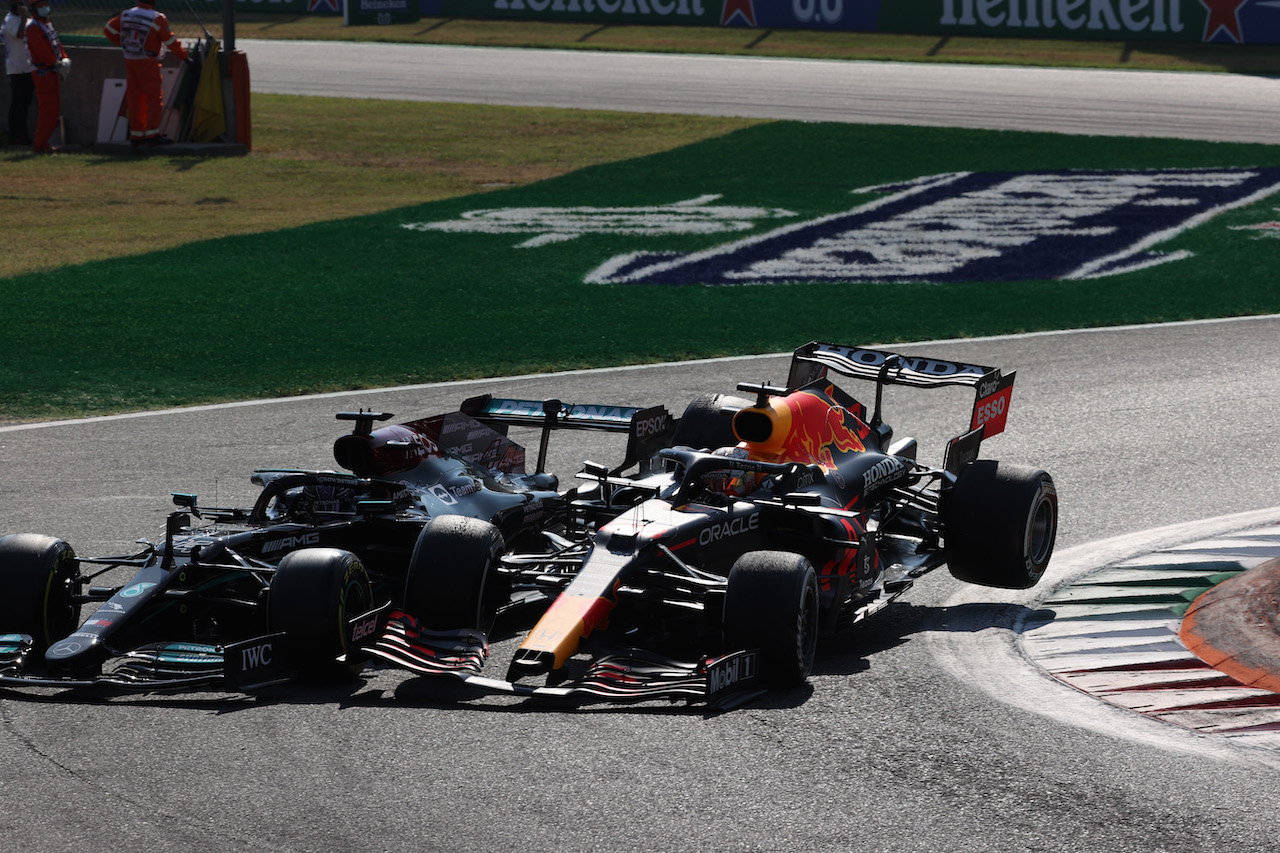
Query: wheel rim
[62,614]
[1042,532]
[355,601]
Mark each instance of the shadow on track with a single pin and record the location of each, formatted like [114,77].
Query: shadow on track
[847,654]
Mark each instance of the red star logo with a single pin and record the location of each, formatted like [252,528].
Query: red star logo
[1223,15]
[747,10]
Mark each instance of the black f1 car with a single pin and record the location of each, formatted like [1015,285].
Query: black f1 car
[715,568]
[250,595]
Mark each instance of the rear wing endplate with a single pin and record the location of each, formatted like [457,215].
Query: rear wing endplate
[994,390]
[648,429]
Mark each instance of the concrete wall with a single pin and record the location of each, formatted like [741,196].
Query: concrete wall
[81,91]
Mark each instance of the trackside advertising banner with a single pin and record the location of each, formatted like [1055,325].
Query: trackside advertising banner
[765,14]
[1216,21]
[283,7]
[380,12]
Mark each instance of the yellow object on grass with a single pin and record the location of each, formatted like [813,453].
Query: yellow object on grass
[209,120]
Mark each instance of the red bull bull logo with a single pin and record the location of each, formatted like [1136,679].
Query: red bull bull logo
[805,427]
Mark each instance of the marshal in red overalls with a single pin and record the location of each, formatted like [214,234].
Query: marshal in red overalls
[50,61]
[143,33]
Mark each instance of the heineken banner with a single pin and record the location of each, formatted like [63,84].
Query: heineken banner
[764,14]
[1219,21]
[1216,21]
[1225,21]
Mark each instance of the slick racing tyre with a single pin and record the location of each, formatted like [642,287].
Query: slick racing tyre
[771,604]
[39,581]
[314,593]
[706,425]
[999,524]
[452,580]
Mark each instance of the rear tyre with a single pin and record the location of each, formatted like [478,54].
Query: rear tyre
[314,593]
[1000,522]
[39,581]
[771,603]
[452,580]
[705,425]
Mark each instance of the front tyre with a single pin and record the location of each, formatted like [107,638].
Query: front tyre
[314,593]
[1000,522]
[39,581]
[771,604]
[452,580]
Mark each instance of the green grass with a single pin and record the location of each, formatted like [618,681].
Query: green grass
[173,281]
[314,160]
[364,302]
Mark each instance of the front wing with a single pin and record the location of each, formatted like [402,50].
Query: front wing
[164,666]
[630,675]
[151,667]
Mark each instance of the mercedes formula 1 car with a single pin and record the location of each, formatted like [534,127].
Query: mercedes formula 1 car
[250,596]
[714,568]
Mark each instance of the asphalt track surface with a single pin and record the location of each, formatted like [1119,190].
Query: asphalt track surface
[920,730]
[1223,107]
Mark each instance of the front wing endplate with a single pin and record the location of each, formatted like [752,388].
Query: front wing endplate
[630,675]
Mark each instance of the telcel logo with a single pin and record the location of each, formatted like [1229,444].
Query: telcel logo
[364,628]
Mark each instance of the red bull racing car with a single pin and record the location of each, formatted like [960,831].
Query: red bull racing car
[713,568]
[248,596]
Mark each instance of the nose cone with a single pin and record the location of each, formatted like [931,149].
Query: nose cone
[79,651]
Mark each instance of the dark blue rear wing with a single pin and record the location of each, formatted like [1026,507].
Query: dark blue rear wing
[811,362]
[878,365]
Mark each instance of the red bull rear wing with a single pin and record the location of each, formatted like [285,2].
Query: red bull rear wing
[887,367]
[994,389]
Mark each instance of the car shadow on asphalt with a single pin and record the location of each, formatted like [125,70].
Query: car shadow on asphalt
[214,701]
[979,616]
[846,654]
[855,650]
[221,703]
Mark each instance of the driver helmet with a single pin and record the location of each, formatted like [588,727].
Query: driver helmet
[732,482]
[321,502]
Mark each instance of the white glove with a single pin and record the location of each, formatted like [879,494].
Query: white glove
[63,67]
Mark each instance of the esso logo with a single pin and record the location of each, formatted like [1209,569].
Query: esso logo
[817,11]
[990,411]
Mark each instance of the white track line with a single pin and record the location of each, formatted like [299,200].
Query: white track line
[594,370]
